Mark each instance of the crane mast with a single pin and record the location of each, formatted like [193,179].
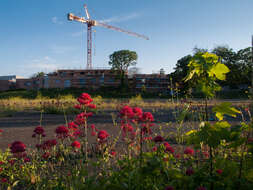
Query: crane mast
[90,23]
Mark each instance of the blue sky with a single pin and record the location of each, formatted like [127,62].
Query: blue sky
[35,35]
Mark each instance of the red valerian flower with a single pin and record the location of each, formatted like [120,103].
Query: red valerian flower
[169,149]
[158,139]
[84,99]
[77,106]
[81,118]
[27,159]
[49,144]
[205,154]
[1,131]
[250,140]
[219,171]
[72,126]
[76,144]
[146,129]
[189,151]
[147,117]
[169,188]
[127,112]
[4,180]
[189,171]
[127,128]
[46,155]
[61,132]
[154,149]
[102,135]
[17,147]
[12,161]
[92,106]
[39,130]
[113,153]
[137,112]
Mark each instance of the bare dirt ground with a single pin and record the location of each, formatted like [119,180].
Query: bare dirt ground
[21,125]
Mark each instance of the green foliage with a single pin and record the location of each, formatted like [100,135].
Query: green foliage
[205,69]
[225,109]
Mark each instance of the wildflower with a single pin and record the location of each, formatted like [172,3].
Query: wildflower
[77,106]
[127,128]
[146,129]
[27,159]
[189,151]
[177,156]
[39,130]
[205,154]
[1,131]
[84,99]
[250,140]
[46,155]
[169,149]
[147,117]
[61,132]
[113,153]
[147,138]
[154,149]
[49,144]
[158,139]
[81,118]
[189,171]
[72,126]
[38,146]
[219,171]
[126,112]
[137,112]
[12,162]
[169,188]
[17,147]
[166,144]
[76,144]
[92,106]
[102,135]
[77,133]
[4,180]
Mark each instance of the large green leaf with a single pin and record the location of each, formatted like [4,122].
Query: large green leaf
[219,70]
[225,109]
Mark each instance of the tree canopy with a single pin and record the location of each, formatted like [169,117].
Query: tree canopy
[238,62]
[121,60]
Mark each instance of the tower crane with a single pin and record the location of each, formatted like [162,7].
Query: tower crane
[91,23]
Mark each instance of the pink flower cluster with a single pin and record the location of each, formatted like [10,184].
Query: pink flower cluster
[39,131]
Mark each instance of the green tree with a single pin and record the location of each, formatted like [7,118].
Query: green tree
[239,64]
[120,61]
[39,74]
[205,69]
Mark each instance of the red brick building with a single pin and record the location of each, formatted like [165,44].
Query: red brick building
[93,79]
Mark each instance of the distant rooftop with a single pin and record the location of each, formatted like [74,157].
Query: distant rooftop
[11,77]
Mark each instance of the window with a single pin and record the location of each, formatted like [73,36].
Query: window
[28,83]
[57,81]
[111,80]
[67,83]
[93,80]
[82,81]
[101,80]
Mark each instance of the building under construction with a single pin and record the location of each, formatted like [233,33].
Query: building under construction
[92,79]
